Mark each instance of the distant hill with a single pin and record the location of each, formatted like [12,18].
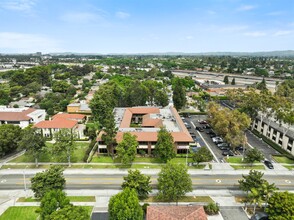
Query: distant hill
[282,53]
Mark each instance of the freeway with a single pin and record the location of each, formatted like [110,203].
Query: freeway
[114,181]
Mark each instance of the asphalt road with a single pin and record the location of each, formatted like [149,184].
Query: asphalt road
[114,181]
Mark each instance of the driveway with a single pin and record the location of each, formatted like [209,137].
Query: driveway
[233,213]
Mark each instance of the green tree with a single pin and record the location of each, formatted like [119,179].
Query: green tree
[164,147]
[70,212]
[110,131]
[33,142]
[262,85]
[64,144]
[9,137]
[253,155]
[226,80]
[127,148]
[202,155]
[51,179]
[125,205]
[281,206]
[161,98]
[179,95]
[138,181]
[52,201]
[173,182]
[60,86]
[255,198]
[233,81]
[253,180]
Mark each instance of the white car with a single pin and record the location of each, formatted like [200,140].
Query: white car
[217,140]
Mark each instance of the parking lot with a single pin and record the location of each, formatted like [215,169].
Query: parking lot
[199,131]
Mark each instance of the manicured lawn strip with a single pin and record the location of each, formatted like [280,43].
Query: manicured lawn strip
[234,160]
[71,198]
[25,166]
[283,160]
[77,156]
[244,167]
[101,159]
[82,199]
[17,213]
[184,199]
[289,167]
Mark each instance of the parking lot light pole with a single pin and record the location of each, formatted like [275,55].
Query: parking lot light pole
[24,181]
[187,156]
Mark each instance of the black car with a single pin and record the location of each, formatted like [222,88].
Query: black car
[206,126]
[228,152]
[224,148]
[199,129]
[260,216]
[240,148]
[203,122]
[268,164]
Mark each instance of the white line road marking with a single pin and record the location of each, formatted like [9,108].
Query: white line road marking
[205,143]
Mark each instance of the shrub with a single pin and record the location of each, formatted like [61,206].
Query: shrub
[91,145]
[211,208]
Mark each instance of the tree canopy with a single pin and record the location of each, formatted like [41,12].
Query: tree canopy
[138,181]
[50,179]
[164,147]
[127,148]
[173,182]
[9,137]
[125,205]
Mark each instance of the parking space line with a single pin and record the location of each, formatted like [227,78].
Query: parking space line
[205,142]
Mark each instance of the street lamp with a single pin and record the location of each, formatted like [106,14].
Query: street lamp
[187,156]
[24,181]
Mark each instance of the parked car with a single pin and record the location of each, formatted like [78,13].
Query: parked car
[260,216]
[228,152]
[210,131]
[188,126]
[224,144]
[199,129]
[217,140]
[206,126]
[269,164]
[240,148]
[212,135]
[224,148]
[203,122]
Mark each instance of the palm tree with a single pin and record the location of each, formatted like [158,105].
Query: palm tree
[267,190]
[255,197]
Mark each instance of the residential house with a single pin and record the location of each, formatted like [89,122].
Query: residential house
[22,117]
[62,121]
[176,213]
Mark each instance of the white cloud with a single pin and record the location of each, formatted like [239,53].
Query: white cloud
[27,43]
[283,33]
[18,5]
[233,28]
[80,17]
[246,7]
[255,34]
[122,15]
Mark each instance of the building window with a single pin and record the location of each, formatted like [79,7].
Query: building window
[289,148]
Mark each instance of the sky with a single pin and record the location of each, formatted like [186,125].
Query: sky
[146,26]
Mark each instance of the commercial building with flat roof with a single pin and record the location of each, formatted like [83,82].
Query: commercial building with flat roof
[145,122]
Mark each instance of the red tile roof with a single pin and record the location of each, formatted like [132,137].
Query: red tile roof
[151,122]
[16,116]
[144,110]
[176,213]
[58,123]
[69,116]
[152,136]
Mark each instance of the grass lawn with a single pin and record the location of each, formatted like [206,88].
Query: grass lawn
[71,198]
[77,156]
[283,160]
[184,199]
[234,160]
[289,167]
[244,167]
[17,213]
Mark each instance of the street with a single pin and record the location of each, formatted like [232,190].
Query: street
[114,181]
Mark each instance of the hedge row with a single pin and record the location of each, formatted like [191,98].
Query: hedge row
[91,145]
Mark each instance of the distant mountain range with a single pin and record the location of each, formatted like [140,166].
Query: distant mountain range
[282,53]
